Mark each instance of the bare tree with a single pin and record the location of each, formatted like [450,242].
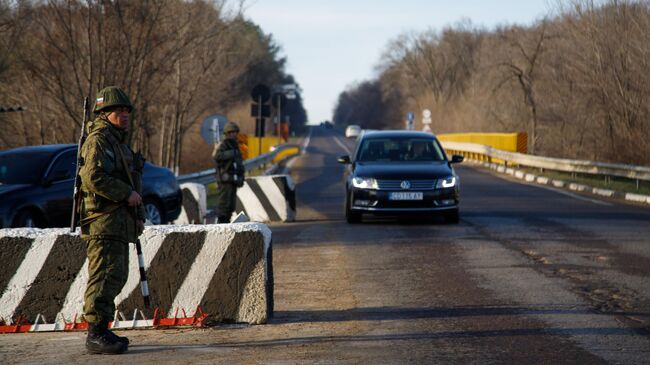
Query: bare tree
[178,61]
[521,60]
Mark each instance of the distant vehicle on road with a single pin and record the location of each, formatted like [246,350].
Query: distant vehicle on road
[36,185]
[327,124]
[352,131]
[400,172]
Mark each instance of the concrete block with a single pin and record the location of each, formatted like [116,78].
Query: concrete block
[194,204]
[637,198]
[268,198]
[225,268]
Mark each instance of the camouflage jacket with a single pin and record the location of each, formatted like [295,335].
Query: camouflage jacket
[105,185]
[230,165]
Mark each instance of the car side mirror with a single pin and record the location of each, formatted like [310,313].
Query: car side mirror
[345,159]
[457,159]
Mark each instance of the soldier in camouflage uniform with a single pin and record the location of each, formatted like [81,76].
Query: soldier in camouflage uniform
[230,172]
[112,214]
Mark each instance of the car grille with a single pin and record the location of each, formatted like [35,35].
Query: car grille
[415,184]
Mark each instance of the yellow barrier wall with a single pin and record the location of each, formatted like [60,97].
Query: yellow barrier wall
[285,153]
[253,145]
[512,142]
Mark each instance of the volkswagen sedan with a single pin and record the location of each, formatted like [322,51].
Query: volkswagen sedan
[400,172]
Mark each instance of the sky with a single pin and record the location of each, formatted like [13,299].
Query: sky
[333,44]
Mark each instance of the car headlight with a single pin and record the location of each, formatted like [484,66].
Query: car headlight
[448,182]
[365,183]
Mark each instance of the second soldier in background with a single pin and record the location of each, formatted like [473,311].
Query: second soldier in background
[230,172]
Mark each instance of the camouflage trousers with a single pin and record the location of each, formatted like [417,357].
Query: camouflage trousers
[226,200]
[108,269]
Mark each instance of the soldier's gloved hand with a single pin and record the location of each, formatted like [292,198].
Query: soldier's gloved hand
[134,199]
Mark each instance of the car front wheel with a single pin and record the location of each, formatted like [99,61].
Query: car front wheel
[153,212]
[26,218]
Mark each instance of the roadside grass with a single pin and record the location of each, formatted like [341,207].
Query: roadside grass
[614,183]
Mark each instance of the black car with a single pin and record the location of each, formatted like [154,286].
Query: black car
[398,172]
[37,182]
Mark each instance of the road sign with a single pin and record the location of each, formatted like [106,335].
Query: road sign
[266,110]
[262,92]
[212,128]
[426,113]
[410,116]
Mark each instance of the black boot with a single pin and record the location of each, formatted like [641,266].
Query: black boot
[116,337]
[100,341]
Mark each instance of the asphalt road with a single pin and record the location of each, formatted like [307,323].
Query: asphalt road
[529,276]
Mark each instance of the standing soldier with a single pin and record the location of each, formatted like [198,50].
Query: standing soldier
[112,214]
[230,172]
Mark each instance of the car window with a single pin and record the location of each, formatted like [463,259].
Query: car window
[64,167]
[23,167]
[399,150]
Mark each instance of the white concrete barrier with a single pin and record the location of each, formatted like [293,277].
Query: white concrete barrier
[226,269]
[268,198]
[194,204]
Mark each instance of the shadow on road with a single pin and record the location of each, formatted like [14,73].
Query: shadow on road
[443,335]
[396,313]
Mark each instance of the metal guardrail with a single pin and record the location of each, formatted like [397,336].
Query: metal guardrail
[208,176]
[558,164]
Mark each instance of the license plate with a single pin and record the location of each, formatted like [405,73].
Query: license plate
[406,196]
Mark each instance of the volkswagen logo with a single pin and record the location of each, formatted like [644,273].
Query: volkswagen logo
[405,185]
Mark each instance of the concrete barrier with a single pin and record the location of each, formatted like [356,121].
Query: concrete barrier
[226,269]
[268,198]
[194,204]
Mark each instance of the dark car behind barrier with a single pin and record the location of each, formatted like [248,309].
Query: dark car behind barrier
[36,186]
[400,172]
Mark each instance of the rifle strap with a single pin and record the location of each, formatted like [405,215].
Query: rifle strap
[126,166]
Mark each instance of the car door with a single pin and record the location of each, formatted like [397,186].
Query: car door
[58,188]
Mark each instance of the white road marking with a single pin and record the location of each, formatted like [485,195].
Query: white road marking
[307,140]
[342,145]
[302,152]
[575,196]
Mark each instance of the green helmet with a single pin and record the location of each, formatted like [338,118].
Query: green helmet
[230,127]
[109,97]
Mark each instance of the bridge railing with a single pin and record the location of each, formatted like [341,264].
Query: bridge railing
[489,154]
[208,176]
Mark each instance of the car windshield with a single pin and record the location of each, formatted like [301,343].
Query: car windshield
[23,167]
[399,150]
